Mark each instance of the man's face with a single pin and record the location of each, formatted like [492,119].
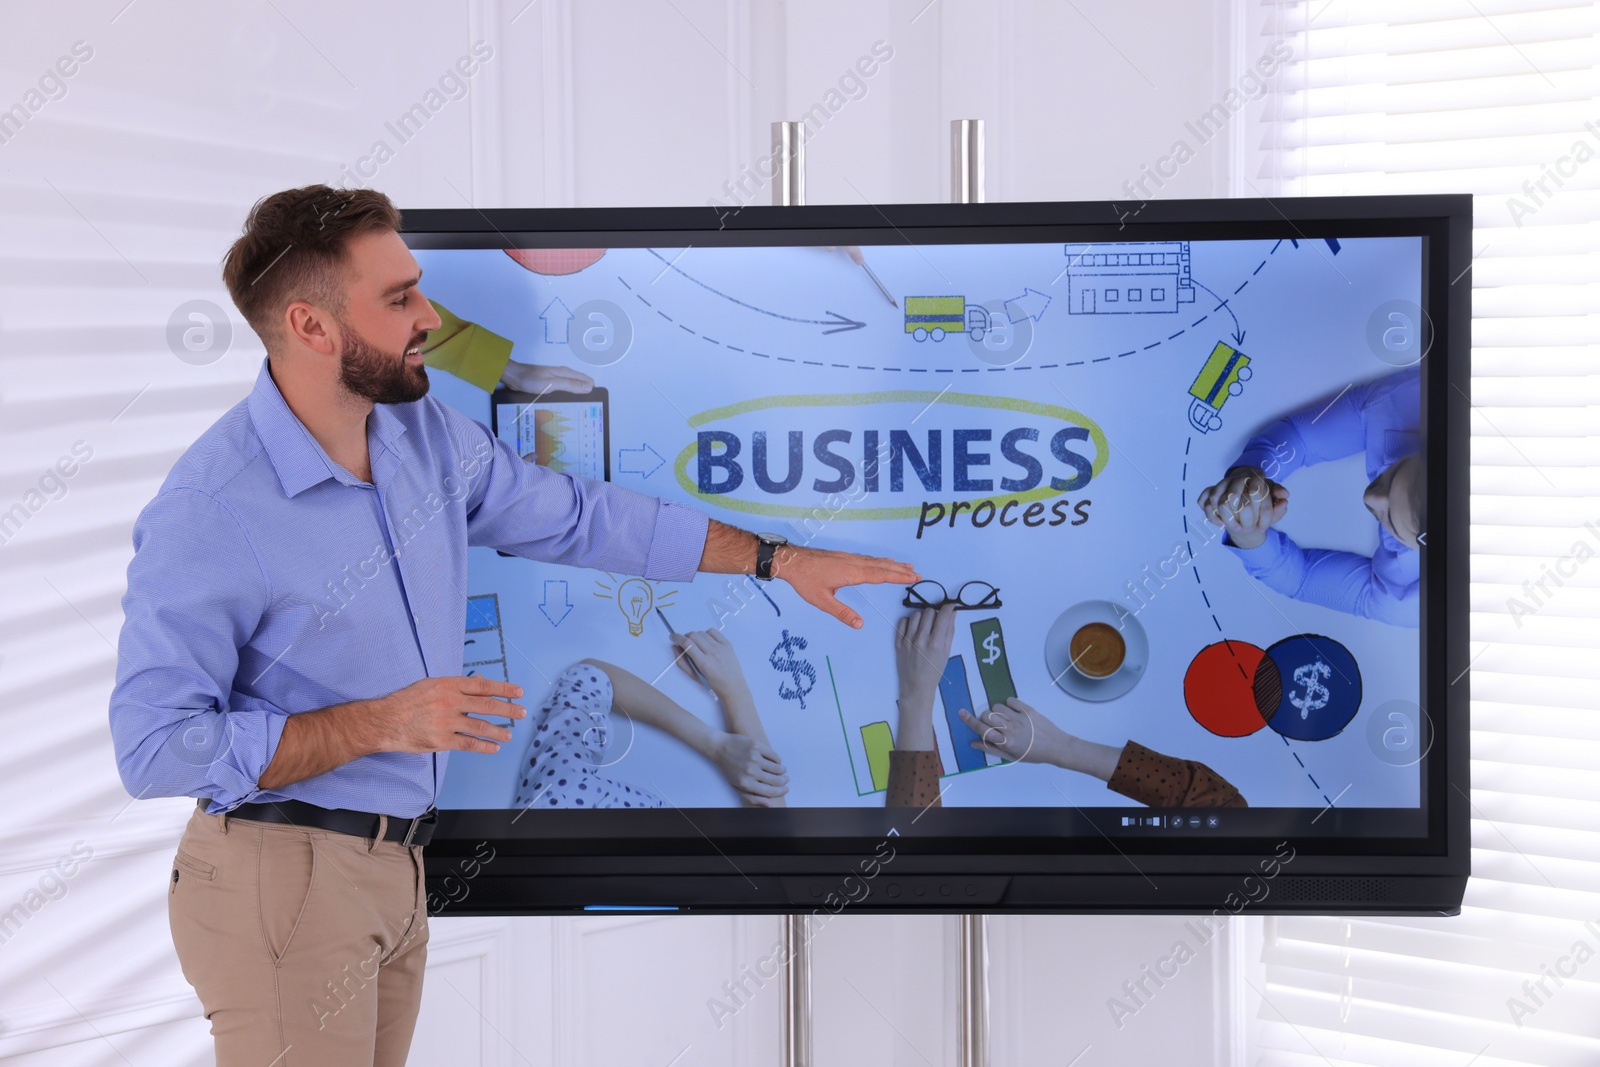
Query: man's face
[1391,498]
[385,321]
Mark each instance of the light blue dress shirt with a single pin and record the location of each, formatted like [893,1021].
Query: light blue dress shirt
[268,580]
[1381,419]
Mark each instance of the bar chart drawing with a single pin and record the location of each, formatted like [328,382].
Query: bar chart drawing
[956,693]
[483,652]
[877,740]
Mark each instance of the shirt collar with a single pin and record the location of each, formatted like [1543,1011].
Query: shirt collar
[296,456]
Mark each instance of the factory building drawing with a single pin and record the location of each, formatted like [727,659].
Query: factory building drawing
[1128,278]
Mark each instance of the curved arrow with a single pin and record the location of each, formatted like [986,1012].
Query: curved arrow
[839,323]
[1238,334]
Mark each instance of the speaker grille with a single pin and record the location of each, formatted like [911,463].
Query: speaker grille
[1333,890]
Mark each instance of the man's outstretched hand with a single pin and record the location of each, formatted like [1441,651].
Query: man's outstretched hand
[818,574]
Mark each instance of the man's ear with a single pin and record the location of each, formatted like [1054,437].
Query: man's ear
[311,327]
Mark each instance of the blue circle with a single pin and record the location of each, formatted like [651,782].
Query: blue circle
[1321,687]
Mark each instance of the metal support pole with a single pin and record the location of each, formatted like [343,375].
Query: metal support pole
[789,164]
[966,161]
[974,957]
[796,989]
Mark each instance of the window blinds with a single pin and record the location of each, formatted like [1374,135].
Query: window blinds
[1500,99]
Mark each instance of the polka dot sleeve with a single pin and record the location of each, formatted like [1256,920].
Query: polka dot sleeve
[913,779]
[1159,781]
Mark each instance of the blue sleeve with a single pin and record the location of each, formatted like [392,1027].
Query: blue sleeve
[528,510]
[1319,432]
[1343,581]
[196,594]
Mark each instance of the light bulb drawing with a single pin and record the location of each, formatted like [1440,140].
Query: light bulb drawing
[635,598]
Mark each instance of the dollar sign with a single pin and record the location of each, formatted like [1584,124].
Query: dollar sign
[1316,694]
[784,661]
[991,645]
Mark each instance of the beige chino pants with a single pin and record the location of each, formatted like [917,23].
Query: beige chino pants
[306,947]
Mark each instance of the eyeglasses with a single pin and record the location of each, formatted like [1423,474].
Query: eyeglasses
[930,594]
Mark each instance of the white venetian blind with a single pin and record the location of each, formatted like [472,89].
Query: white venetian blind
[1476,96]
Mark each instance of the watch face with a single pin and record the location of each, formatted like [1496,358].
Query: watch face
[772,538]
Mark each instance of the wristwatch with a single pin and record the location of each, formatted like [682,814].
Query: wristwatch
[767,545]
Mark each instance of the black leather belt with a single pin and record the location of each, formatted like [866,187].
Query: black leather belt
[417,831]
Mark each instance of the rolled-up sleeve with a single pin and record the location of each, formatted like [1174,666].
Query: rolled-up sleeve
[527,510]
[196,594]
[1343,581]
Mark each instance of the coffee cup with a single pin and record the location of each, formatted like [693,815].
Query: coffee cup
[1097,650]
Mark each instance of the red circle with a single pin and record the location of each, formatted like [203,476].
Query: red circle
[556,260]
[1220,688]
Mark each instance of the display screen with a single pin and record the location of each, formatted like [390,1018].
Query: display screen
[566,436]
[1047,430]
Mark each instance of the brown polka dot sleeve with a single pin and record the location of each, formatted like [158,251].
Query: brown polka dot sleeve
[913,779]
[1147,776]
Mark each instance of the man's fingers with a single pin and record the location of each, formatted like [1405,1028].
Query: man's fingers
[922,627]
[493,707]
[467,743]
[838,609]
[879,569]
[483,728]
[477,684]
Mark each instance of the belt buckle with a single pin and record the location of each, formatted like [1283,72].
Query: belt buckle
[426,817]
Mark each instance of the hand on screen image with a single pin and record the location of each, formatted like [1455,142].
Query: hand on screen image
[711,653]
[1016,731]
[743,752]
[1246,503]
[570,761]
[1380,421]
[922,642]
[539,380]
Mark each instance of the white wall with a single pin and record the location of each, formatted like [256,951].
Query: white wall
[116,202]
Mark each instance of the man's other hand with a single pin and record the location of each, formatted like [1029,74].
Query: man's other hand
[438,714]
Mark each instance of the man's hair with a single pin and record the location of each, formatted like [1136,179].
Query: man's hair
[293,248]
[1417,496]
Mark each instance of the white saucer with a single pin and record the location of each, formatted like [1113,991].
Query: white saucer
[1058,652]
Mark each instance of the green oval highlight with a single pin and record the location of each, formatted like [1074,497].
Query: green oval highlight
[892,396]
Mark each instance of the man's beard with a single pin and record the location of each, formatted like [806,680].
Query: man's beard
[378,376]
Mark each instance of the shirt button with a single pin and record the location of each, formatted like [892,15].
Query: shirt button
[417,619]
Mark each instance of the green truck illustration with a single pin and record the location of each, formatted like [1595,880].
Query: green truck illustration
[935,316]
